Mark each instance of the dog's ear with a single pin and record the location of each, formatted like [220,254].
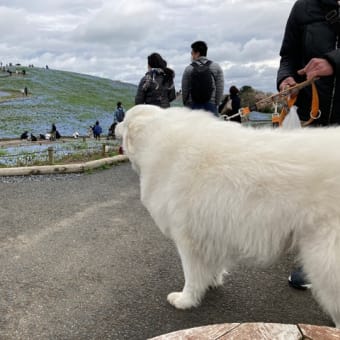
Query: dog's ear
[134,127]
[135,130]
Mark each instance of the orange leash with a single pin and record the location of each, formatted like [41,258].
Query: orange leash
[315,112]
[291,95]
[291,99]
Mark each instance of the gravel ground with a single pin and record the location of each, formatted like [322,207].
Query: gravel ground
[82,259]
[38,178]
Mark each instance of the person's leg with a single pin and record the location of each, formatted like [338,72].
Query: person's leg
[297,279]
[196,106]
[211,108]
[114,131]
[206,106]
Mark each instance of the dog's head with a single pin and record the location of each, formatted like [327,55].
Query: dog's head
[133,129]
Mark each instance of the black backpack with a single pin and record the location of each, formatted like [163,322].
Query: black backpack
[202,85]
[120,114]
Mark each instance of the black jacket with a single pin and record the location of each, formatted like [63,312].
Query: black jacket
[308,35]
[154,89]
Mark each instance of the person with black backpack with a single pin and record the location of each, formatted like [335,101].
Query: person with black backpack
[157,86]
[202,81]
[118,117]
[119,113]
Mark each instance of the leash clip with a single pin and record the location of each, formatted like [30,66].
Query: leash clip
[317,116]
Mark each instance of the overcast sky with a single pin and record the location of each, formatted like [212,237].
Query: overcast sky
[112,38]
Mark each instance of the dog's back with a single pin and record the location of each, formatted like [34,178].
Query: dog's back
[257,176]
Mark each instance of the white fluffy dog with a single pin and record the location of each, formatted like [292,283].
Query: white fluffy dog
[228,194]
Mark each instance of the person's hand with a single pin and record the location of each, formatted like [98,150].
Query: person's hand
[317,67]
[286,83]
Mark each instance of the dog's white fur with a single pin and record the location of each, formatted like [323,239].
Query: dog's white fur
[228,194]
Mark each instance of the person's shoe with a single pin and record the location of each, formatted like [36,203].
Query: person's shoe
[298,280]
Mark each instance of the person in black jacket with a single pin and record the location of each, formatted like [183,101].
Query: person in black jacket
[157,86]
[231,104]
[310,49]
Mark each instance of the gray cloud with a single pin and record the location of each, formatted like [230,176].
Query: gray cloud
[113,38]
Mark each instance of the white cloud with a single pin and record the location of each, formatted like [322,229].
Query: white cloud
[113,38]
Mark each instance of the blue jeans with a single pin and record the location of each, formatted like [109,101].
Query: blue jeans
[206,106]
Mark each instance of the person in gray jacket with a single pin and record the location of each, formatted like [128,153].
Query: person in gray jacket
[199,51]
[157,86]
[310,49]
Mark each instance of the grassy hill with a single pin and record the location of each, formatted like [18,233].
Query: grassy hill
[70,100]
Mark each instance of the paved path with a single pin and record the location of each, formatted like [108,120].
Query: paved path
[81,259]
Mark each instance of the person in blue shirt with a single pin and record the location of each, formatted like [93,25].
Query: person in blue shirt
[97,130]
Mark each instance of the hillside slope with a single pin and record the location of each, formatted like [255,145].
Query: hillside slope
[70,100]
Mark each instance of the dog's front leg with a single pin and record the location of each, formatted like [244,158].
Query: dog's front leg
[197,276]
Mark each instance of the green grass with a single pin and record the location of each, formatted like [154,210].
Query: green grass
[80,158]
[70,100]
[29,159]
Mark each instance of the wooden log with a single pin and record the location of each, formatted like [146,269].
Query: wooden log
[63,168]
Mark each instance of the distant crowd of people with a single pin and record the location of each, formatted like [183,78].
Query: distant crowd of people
[118,116]
[52,135]
[95,131]
[202,88]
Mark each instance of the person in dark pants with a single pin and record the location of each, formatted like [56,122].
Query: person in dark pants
[310,50]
